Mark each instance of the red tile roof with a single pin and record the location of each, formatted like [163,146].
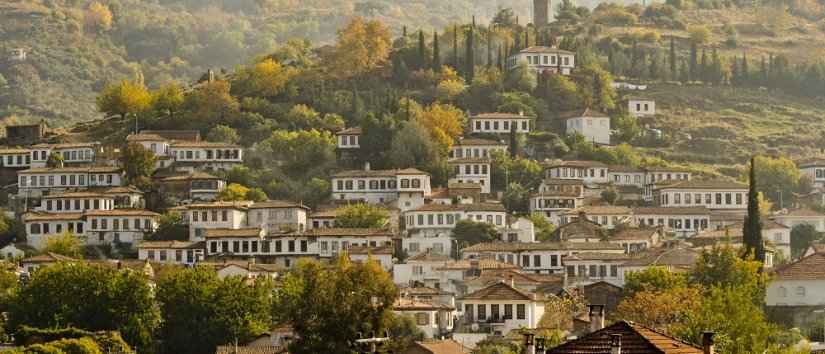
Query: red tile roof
[809,268]
[448,346]
[499,291]
[499,115]
[636,339]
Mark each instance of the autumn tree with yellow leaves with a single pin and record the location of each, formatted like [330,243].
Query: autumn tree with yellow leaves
[362,46]
[124,98]
[444,122]
[267,78]
[98,18]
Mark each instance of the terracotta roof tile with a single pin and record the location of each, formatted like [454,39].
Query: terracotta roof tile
[708,184]
[499,115]
[545,49]
[635,340]
[809,268]
[402,304]
[542,246]
[248,232]
[462,207]
[499,291]
[477,142]
[447,346]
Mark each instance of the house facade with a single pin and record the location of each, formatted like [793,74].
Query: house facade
[277,216]
[35,182]
[500,308]
[714,195]
[641,107]
[406,188]
[472,170]
[173,252]
[589,172]
[541,59]
[594,126]
[475,148]
[500,123]
[682,221]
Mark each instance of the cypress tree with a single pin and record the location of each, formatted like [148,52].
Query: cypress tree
[489,47]
[455,47]
[764,73]
[716,68]
[500,58]
[672,58]
[404,32]
[422,50]
[470,59]
[694,61]
[436,53]
[513,142]
[744,72]
[752,229]
[527,37]
[703,67]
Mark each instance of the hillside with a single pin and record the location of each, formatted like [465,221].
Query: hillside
[70,56]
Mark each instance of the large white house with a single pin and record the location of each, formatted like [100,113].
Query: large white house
[500,308]
[472,170]
[192,155]
[35,182]
[405,187]
[594,126]
[544,59]
[537,257]
[277,216]
[801,283]
[714,194]
[215,215]
[641,107]
[683,221]
[500,123]
[433,219]
[15,158]
[174,252]
[475,148]
[72,153]
[117,226]
[589,172]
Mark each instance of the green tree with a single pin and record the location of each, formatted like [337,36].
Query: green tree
[168,98]
[299,152]
[720,267]
[468,232]
[223,134]
[329,304]
[802,236]
[170,227]
[66,243]
[201,311]
[362,46]
[361,215]
[55,160]
[778,177]
[266,78]
[436,63]
[138,164]
[543,228]
[60,294]
[403,332]
[654,279]
[237,192]
[211,103]
[626,128]
[595,87]
[752,229]
[256,194]
[560,93]
[123,98]
[516,199]
[610,196]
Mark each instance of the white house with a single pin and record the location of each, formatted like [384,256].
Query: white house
[72,153]
[592,267]
[801,283]
[15,158]
[537,257]
[128,226]
[594,126]
[434,219]
[635,240]
[500,123]
[420,268]
[75,202]
[381,254]
[815,170]
[607,216]
[332,240]
[641,107]
[541,59]
[713,194]
[193,155]
[795,217]
[349,138]
[276,216]
[174,252]
[683,221]
[500,308]
[552,204]
[215,215]
[35,182]
[155,143]
[472,170]
[11,252]
[589,172]
[283,250]
[405,187]
[475,148]
[434,320]
[41,226]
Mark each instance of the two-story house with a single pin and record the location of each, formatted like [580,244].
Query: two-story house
[192,155]
[405,187]
[35,182]
[716,195]
[76,202]
[500,308]
[155,143]
[41,226]
[349,138]
[72,153]
[432,319]
[682,221]
[593,125]
[430,226]
[500,123]
[16,158]
[276,216]
[589,172]
[537,257]
[173,252]
[333,240]
[475,148]
[798,284]
[472,170]
[541,59]
[215,215]
[552,204]
[196,186]
[128,226]
[607,216]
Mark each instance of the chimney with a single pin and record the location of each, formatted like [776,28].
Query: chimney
[596,317]
[521,113]
[615,344]
[512,282]
[366,166]
[119,265]
[707,343]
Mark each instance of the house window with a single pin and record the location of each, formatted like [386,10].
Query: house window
[783,292]
[537,260]
[508,311]
[800,291]
[525,261]
[521,311]
[422,319]
[482,312]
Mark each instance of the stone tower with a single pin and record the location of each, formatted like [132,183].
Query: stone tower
[541,13]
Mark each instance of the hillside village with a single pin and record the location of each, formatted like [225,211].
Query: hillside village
[513,203]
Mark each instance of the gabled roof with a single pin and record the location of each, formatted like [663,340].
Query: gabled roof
[378,173]
[677,257]
[499,291]
[349,232]
[600,210]
[48,257]
[582,113]
[809,268]
[495,207]
[545,50]
[542,246]
[429,256]
[247,232]
[171,245]
[800,213]
[350,131]
[144,137]
[633,233]
[277,204]
[482,264]
[636,339]
[576,163]
[489,277]
[447,346]
[708,184]
[696,210]
[477,142]
[402,304]
[500,115]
